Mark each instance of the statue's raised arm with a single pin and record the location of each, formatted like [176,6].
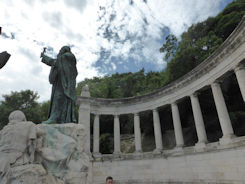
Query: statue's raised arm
[47,60]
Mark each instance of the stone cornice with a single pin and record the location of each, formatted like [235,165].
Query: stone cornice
[225,50]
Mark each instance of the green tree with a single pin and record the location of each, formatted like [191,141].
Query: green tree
[169,47]
[25,101]
[200,40]
[44,110]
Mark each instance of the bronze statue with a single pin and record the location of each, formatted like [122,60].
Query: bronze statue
[62,76]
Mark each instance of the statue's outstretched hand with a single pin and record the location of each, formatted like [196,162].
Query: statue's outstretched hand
[42,53]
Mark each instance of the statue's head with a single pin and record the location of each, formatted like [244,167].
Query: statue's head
[17,116]
[65,49]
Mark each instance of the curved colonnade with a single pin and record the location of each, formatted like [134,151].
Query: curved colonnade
[227,59]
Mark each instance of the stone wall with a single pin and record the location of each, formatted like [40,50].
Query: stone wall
[214,164]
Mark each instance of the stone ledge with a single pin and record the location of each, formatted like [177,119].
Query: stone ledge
[173,182]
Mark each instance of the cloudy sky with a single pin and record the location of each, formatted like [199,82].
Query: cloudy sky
[106,36]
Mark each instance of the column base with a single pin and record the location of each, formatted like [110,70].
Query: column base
[138,152]
[200,146]
[157,151]
[117,154]
[97,154]
[226,139]
[90,156]
[178,148]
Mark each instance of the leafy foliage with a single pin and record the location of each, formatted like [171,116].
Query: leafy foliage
[25,101]
[123,85]
[170,46]
[200,40]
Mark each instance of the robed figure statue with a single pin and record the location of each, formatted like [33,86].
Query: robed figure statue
[62,76]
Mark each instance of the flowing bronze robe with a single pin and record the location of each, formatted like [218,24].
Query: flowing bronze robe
[63,79]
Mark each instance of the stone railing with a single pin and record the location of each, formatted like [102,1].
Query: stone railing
[228,58]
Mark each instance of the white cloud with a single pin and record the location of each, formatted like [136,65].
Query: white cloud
[119,29]
[180,14]
[141,26]
[37,25]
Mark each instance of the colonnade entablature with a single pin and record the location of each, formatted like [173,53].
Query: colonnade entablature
[227,59]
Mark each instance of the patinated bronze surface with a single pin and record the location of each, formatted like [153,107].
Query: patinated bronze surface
[62,76]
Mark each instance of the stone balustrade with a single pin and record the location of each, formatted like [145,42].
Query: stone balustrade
[227,59]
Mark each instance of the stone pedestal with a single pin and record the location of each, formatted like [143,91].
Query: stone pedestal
[42,154]
[63,152]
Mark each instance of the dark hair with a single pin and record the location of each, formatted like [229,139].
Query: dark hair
[109,178]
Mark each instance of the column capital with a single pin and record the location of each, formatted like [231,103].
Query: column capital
[155,110]
[239,67]
[195,94]
[97,114]
[174,103]
[136,114]
[116,115]
[216,83]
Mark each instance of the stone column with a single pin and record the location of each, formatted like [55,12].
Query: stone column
[223,114]
[177,125]
[117,149]
[96,132]
[137,133]
[240,75]
[157,131]
[199,123]
[84,117]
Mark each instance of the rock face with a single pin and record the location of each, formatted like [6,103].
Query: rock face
[45,154]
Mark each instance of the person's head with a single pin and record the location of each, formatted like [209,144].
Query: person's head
[109,180]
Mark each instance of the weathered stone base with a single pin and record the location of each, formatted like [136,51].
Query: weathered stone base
[58,154]
[32,173]
[62,152]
